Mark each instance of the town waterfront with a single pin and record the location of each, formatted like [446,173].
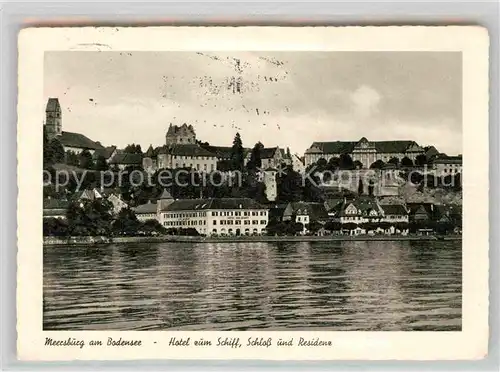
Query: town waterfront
[334,285]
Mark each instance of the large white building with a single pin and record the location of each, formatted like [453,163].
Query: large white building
[367,152]
[213,216]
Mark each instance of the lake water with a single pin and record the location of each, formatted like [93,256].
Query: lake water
[344,286]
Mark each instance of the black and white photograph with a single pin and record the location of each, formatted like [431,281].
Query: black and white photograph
[249,191]
[253,193]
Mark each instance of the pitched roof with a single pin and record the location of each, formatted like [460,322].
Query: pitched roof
[165,195]
[394,209]
[127,159]
[224,152]
[55,204]
[106,152]
[190,150]
[70,139]
[268,152]
[315,211]
[397,147]
[53,105]
[147,208]
[448,160]
[213,203]
[331,203]
[150,153]
[340,147]
[337,147]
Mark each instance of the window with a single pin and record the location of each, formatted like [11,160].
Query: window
[247,222]
[230,222]
[214,213]
[262,222]
[255,222]
[237,222]
[245,213]
[215,222]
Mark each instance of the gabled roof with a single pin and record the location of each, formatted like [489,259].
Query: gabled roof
[147,208]
[337,147]
[315,211]
[190,150]
[53,105]
[165,195]
[125,158]
[268,152]
[70,139]
[332,203]
[396,147]
[105,152]
[394,209]
[150,153]
[448,160]
[213,203]
[55,204]
[341,147]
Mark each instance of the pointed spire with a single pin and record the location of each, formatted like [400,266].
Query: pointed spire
[165,195]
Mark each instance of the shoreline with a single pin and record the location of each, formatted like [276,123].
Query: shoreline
[100,240]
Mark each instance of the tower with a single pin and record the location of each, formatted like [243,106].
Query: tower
[53,119]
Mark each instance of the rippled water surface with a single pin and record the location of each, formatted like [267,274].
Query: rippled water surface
[372,286]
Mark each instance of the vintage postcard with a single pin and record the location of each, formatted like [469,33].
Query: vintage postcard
[273,193]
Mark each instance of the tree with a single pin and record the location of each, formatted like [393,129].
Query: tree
[255,161]
[313,226]
[333,164]
[346,162]
[101,164]
[371,187]
[47,150]
[360,187]
[86,160]
[406,162]
[379,164]
[394,161]
[126,223]
[237,153]
[421,160]
[321,164]
[72,158]
[289,186]
[55,227]
[57,149]
[133,149]
[358,165]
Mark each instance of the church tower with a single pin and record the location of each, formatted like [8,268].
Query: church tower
[53,119]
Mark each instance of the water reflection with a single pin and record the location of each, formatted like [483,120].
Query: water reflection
[239,286]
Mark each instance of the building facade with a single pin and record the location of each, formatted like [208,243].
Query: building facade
[70,141]
[367,152]
[445,166]
[228,216]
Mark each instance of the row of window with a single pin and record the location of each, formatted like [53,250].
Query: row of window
[190,165]
[238,222]
[391,217]
[184,215]
[185,223]
[238,213]
[186,157]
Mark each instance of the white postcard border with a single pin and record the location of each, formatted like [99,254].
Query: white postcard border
[471,343]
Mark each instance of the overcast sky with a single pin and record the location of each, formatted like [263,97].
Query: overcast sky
[286,99]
